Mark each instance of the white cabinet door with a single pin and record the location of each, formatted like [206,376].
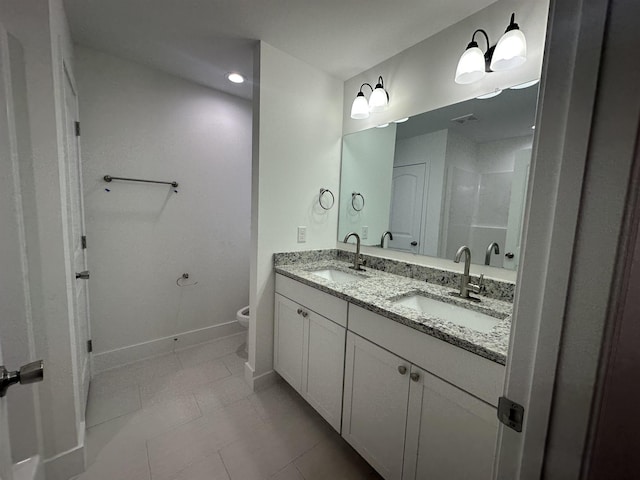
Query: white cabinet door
[375,405]
[324,367]
[450,434]
[288,341]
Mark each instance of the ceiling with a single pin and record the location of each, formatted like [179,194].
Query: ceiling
[202,40]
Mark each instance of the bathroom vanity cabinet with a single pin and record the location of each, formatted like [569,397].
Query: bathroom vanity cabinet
[412,405]
[309,340]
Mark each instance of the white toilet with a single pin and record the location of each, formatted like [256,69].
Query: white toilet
[242,316]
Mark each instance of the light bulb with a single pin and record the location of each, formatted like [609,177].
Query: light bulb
[471,66]
[360,107]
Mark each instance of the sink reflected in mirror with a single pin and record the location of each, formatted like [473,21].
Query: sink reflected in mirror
[337,276]
[452,313]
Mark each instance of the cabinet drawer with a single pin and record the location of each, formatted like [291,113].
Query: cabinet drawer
[472,373]
[322,303]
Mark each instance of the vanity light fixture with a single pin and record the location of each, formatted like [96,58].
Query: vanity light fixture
[378,101]
[510,52]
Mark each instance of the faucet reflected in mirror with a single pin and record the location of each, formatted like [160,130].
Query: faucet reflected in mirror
[493,246]
[466,286]
[385,234]
[357,262]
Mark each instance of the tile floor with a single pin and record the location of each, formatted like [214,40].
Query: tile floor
[189,415]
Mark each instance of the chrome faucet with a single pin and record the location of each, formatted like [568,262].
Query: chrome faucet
[357,264]
[466,286]
[496,249]
[384,235]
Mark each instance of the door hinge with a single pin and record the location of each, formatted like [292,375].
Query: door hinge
[510,413]
[77,129]
[89,346]
[83,239]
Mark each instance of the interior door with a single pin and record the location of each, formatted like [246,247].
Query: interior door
[407,204]
[11,268]
[75,220]
[5,444]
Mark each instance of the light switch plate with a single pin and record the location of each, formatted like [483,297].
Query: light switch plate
[365,233]
[302,234]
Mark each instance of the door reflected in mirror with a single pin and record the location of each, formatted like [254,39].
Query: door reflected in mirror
[450,177]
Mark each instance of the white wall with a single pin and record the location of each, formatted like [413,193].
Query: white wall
[420,78]
[297,137]
[142,123]
[367,168]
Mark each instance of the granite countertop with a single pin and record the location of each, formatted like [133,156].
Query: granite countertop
[378,290]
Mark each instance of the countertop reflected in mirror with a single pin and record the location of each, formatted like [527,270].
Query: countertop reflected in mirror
[445,178]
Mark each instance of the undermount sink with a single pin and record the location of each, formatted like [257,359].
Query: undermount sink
[452,313]
[337,276]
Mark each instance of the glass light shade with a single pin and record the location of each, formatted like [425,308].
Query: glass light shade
[360,107]
[471,66]
[510,52]
[378,100]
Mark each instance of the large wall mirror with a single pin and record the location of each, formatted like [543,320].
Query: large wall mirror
[450,177]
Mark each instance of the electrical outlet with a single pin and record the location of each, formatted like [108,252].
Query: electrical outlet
[302,234]
[365,233]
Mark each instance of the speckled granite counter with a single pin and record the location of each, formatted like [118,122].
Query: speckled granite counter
[377,290]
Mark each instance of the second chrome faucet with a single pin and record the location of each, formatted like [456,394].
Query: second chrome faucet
[357,261]
[466,287]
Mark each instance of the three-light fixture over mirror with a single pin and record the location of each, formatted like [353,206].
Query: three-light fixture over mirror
[378,101]
[510,52]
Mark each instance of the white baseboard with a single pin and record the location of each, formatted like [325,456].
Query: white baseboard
[259,382]
[65,465]
[133,353]
[29,469]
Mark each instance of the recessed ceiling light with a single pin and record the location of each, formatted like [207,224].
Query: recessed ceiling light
[384,125]
[486,96]
[402,120]
[525,84]
[235,77]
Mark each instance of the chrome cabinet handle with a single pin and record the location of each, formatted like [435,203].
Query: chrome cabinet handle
[415,376]
[402,369]
[30,373]
[83,275]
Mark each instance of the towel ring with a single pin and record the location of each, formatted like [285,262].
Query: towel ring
[353,201]
[321,196]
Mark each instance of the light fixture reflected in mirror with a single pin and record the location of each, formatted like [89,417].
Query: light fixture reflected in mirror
[401,120]
[525,85]
[378,101]
[486,96]
[384,125]
[510,52]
